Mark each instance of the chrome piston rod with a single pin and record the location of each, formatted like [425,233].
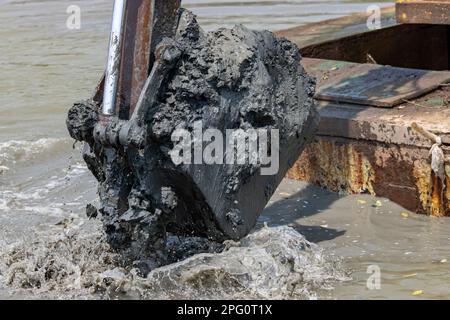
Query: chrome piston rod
[114,54]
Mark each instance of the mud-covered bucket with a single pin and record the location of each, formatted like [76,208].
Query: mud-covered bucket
[221,119]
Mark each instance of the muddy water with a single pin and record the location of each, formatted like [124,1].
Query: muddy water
[49,249]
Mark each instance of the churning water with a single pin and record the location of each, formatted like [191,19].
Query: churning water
[308,244]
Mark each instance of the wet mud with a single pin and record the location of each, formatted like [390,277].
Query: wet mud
[228,79]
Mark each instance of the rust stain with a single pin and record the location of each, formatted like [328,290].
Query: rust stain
[336,166]
[423,12]
[434,194]
[447,185]
[437,197]
[135,61]
[401,173]
[141,63]
[422,174]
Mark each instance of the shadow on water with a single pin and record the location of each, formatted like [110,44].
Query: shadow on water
[294,208]
[306,202]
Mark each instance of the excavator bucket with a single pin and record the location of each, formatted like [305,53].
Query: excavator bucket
[195,129]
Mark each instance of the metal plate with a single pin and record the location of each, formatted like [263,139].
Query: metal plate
[147,21]
[423,12]
[371,84]
[135,62]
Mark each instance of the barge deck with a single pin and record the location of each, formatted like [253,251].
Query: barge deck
[363,145]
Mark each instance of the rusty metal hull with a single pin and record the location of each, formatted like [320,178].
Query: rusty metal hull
[367,149]
[400,173]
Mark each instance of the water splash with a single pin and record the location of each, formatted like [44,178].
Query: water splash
[60,266]
[276,263]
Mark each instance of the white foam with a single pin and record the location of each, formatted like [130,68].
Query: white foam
[3,169]
[33,198]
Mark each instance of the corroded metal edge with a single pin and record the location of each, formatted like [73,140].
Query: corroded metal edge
[423,12]
[385,125]
[399,173]
[332,29]
[370,84]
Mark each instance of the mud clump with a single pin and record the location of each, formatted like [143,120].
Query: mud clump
[229,79]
